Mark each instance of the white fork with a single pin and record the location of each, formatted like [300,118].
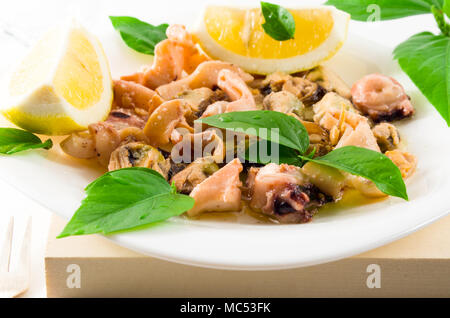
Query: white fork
[14,282]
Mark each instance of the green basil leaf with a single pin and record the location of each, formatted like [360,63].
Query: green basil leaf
[446,7]
[285,154]
[14,140]
[125,199]
[139,35]
[368,164]
[364,10]
[291,132]
[279,22]
[425,57]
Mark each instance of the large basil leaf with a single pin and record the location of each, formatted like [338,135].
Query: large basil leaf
[425,57]
[446,8]
[280,128]
[139,35]
[125,199]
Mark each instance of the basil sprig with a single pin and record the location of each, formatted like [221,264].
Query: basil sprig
[279,22]
[424,57]
[14,140]
[294,141]
[139,35]
[126,199]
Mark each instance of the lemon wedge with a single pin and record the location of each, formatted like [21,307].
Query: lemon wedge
[235,35]
[62,85]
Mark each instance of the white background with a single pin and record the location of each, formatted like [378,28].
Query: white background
[23,21]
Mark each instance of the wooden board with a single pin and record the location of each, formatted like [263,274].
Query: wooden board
[91,266]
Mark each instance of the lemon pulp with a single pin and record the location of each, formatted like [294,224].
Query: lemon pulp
[84,89]
[313,27]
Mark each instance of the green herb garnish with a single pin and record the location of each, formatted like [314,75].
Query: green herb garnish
[279,22]
[125,199]
[139,35]
[286,155]
[389,9]
[424,57]
[14,140]
[294,142]
[446,7]
[291,133]
[366,163]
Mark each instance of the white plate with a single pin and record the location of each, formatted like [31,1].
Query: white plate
[57,181]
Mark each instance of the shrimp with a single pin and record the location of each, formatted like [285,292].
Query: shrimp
[174,55]
[382,98]
[205,75]
[237,90]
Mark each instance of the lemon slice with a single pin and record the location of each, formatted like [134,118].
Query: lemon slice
[62,85]
[235,35]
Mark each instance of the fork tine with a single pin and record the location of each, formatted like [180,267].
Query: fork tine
[24,259]
[5,252]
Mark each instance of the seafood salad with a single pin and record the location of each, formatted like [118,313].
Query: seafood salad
[154,112]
